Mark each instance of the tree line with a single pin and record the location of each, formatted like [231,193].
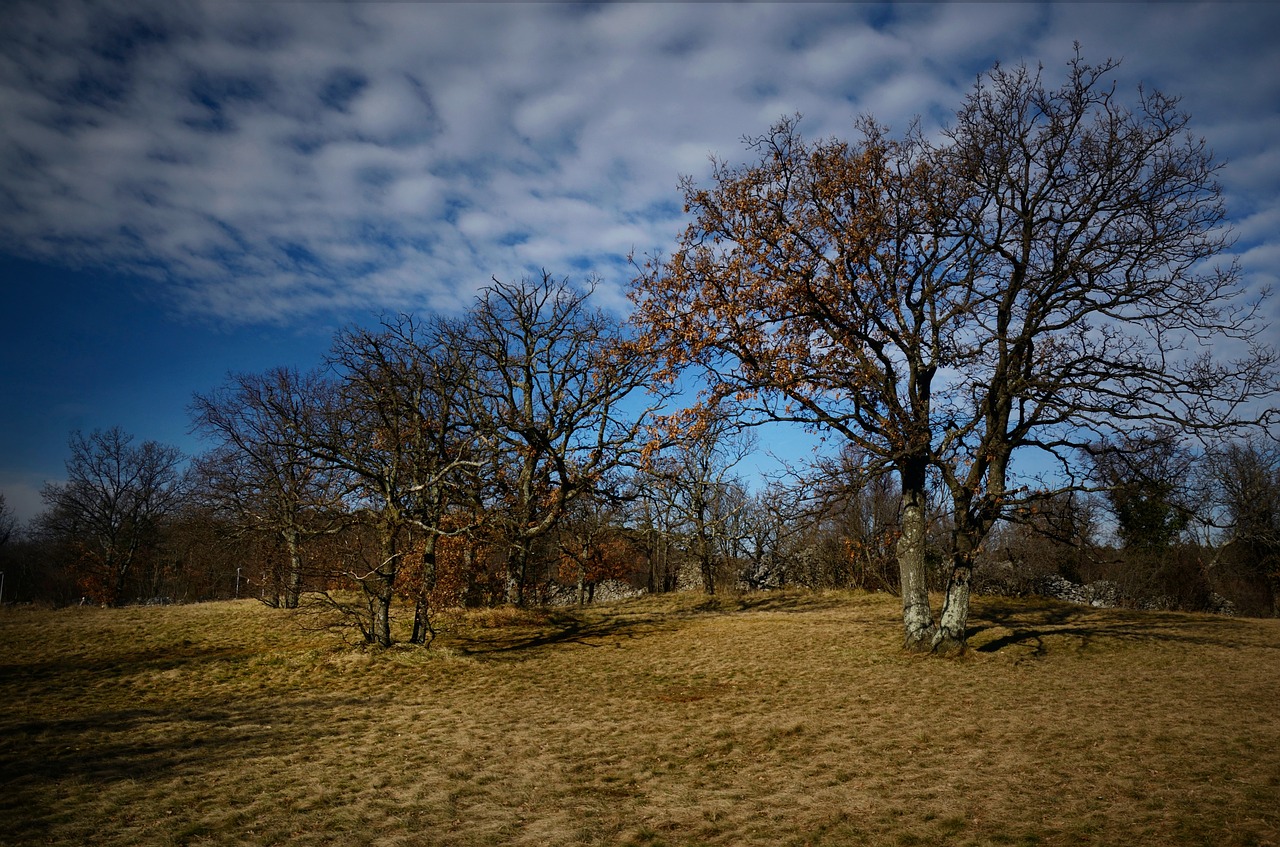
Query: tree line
[1042,278]
[1174,529]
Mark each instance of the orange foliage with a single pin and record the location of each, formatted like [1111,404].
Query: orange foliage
[610,557]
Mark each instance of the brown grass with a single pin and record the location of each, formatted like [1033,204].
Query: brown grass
[773,719]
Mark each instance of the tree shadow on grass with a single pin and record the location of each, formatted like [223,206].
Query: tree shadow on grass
[606,625]
[584,628]
[46,759]
[794,602]
[1033,622]
[150,659]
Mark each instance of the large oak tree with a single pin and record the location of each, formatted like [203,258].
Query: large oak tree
[397,423]
[1038,276]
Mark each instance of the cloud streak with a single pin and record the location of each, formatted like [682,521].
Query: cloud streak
[263,163]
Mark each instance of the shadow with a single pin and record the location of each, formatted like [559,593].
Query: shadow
[787,602]
[44,758]
[596,626]
[1028,622]
[156,659]
[588,628]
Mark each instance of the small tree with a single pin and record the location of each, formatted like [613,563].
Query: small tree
[112,507]
[1245,479]
[262,474]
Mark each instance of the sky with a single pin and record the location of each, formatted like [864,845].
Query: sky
[189,189]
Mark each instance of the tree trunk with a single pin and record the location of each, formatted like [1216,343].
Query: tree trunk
[651,548]
[705,562]
[380,586]
[121,574]
[952,635]
[917,617]
[471,594]
[516,569]
[293,580]
[423,633]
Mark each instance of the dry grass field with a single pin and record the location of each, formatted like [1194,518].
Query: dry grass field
[772,719]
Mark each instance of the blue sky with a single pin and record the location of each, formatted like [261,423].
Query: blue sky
[192,188]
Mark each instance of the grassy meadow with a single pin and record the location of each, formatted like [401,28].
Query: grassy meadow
[770,719]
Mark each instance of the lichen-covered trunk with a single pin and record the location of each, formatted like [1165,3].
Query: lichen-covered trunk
[293,579]
[917,617]
[380,587]
[517,568]
[951,636]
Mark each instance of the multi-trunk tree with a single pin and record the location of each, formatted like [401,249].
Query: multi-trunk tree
[489,426]
[1037,276]
[560,395]
[397,423]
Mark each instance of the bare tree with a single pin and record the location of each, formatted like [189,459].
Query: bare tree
[854,514]
[111,509]
[8,521]
[696,473]
[397,422]
[653,511]
[1245,479]
[262,472]
[1035,279]
[559,392]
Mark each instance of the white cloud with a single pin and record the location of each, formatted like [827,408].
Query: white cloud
[266,160]
[22,494]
